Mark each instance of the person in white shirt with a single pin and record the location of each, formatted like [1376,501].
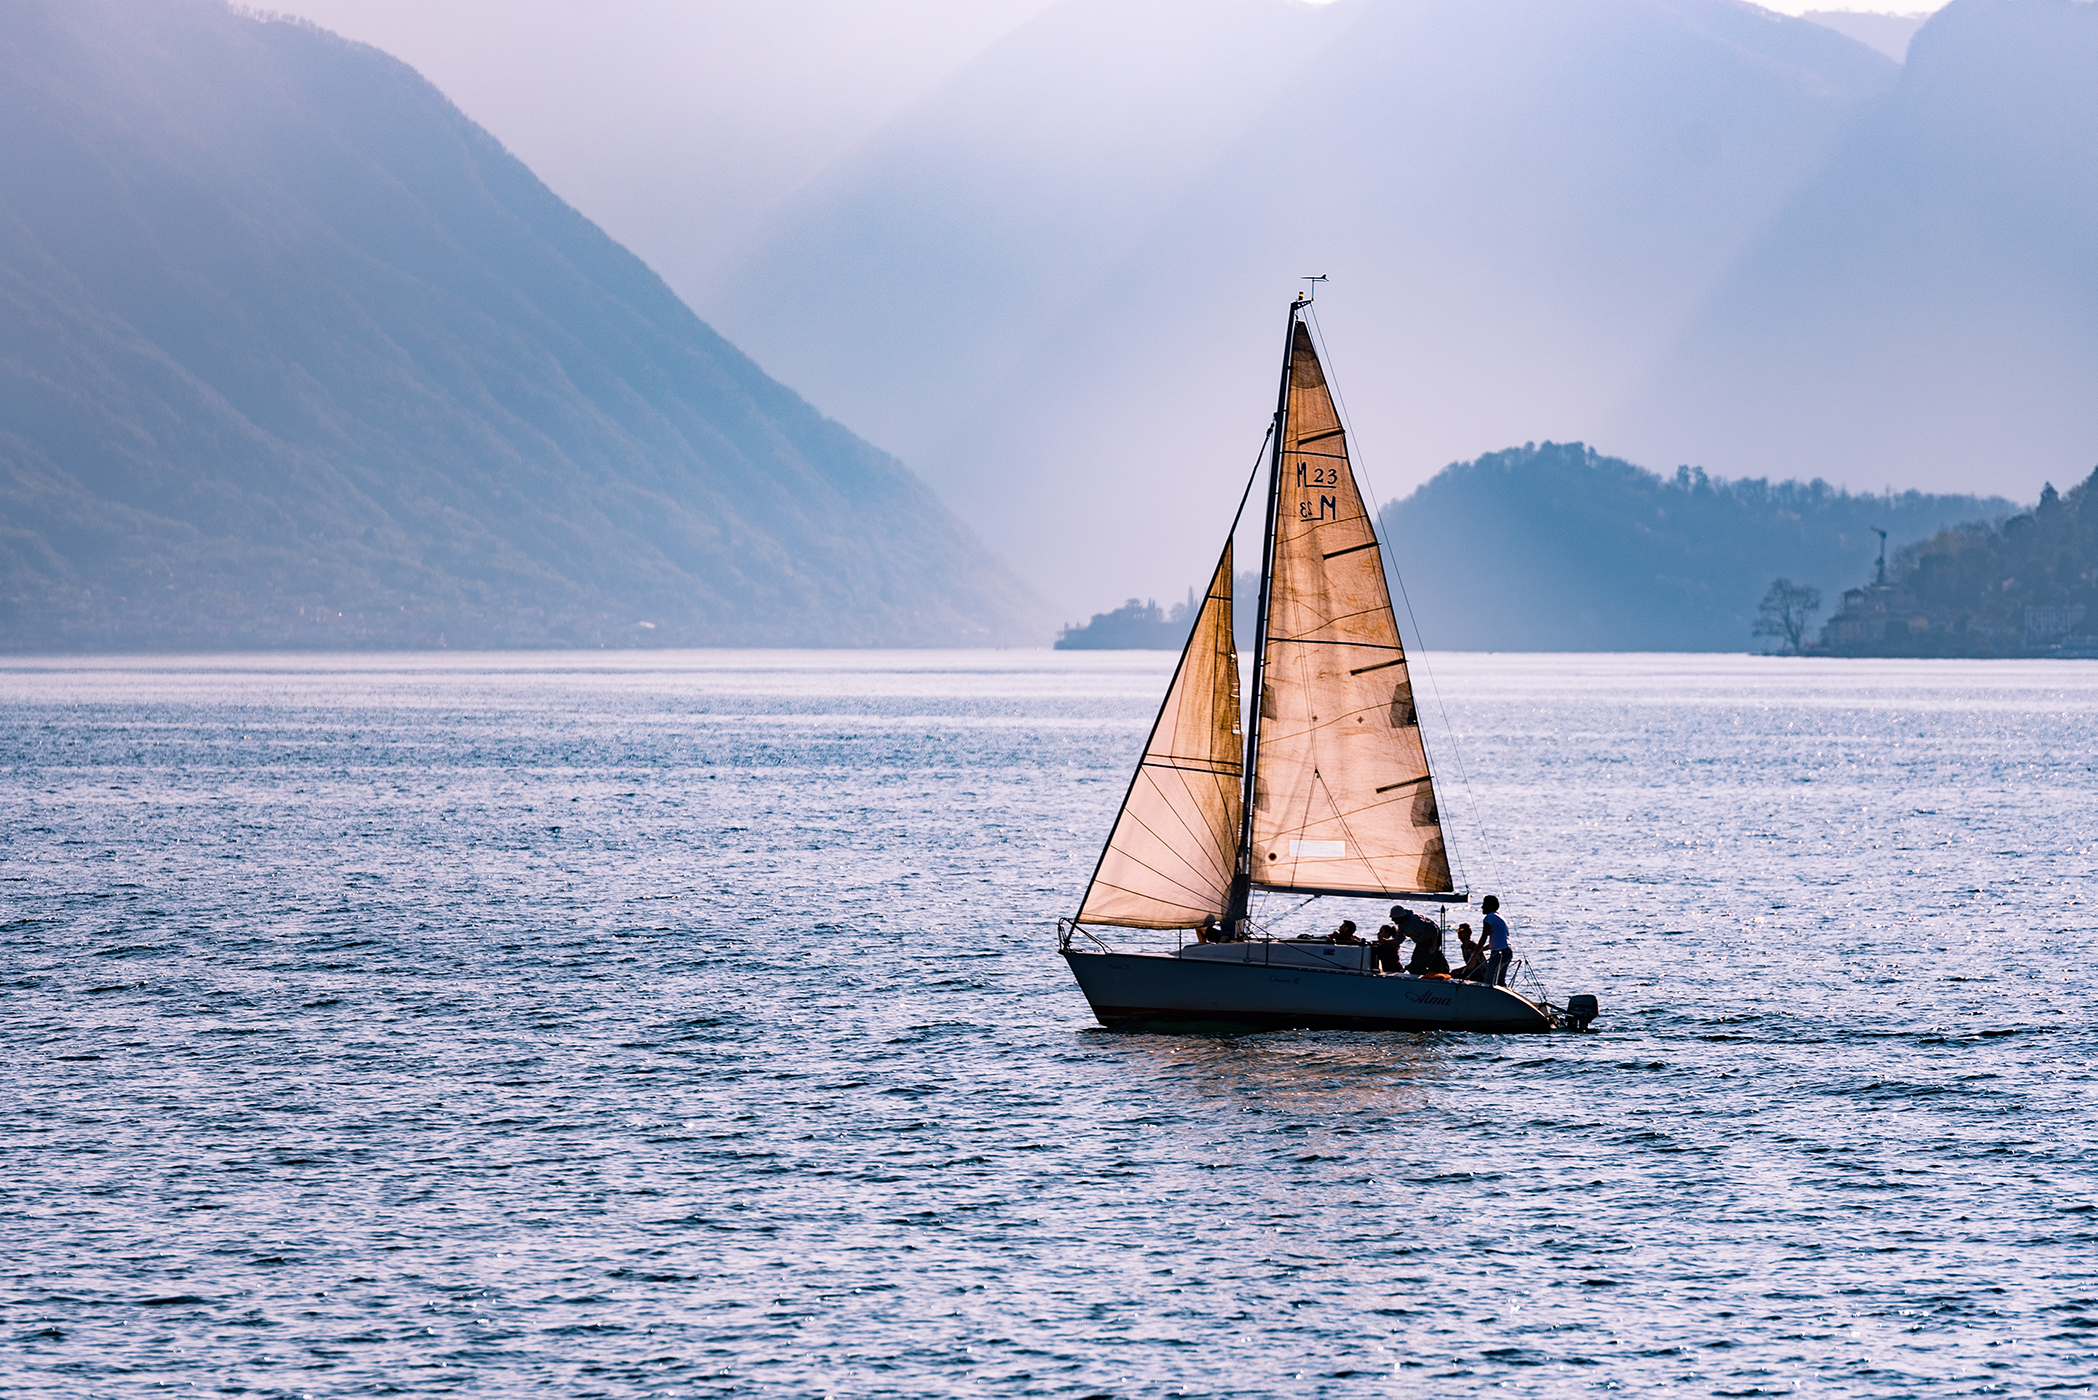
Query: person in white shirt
[1498,953]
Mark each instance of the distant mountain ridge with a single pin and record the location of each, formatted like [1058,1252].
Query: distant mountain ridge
[1554,547]
[292,353]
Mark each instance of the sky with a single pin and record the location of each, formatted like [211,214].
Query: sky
[1801,7]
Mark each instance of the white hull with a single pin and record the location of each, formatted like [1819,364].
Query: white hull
[1131,990]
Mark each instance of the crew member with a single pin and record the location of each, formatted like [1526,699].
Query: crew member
[1428,959]
[1498,953]
[1384,954]
[1474,956]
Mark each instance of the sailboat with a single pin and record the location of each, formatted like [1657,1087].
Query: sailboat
[1326,790]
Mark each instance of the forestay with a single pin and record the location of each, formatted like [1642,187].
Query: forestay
[1343,802]
[1169,862]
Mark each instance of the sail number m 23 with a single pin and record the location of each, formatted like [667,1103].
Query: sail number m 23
[1310,478]
[1308,475]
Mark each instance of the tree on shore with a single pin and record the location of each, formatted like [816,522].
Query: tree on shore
[1785,612]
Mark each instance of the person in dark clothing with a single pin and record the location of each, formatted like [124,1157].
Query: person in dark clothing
[1405,921]
[1346,933]
[1428,959]
[1474,956]
[1426,939]
[1385,952]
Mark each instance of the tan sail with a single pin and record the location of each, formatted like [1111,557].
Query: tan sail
[1169,862]
[1343,801]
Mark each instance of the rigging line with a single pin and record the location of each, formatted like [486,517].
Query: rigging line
[1247,494]
[1342,817]
[1289,913]
[1340,402]
[1456,749]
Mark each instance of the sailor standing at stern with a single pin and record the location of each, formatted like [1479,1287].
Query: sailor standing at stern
[1498,953]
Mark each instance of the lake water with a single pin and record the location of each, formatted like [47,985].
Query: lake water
[691,1024]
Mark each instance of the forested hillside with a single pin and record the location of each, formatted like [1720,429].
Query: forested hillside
[1987,586]
[1553,547]
[293,353]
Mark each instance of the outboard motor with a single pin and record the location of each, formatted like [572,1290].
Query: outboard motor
[1580,1010]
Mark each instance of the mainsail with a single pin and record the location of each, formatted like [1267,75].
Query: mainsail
[1343,802]
[1169,862]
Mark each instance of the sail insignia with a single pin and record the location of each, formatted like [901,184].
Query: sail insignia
[1170,859]
[1345,802]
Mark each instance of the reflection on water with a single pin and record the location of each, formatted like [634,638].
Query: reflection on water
[692,1024]
[1335,1075]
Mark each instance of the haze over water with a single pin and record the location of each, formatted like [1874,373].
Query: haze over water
[691,1024]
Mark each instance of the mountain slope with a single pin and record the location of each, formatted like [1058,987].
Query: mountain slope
[285,338]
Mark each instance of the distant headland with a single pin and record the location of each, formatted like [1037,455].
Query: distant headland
[1144,626]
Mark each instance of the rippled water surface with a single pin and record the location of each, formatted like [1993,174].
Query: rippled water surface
[692,1025]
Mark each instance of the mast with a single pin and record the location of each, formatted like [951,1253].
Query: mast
[1242,878]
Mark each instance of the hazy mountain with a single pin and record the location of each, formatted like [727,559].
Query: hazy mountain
[1928,304]
[1696,230]
[291,351]
[1890,34]
[1552,547]
[1057,285]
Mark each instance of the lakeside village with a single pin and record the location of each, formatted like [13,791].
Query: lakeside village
[2023,585]
[2026,585]
[1888,619]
